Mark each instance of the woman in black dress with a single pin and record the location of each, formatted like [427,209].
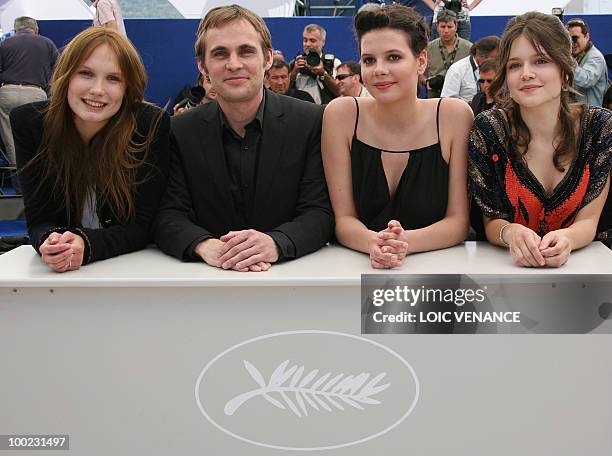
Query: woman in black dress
[395,164]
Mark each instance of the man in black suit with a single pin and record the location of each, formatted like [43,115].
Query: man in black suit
[246,180]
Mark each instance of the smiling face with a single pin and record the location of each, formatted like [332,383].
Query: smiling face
[348,82]
[533,78]
[95,91]
[235,61]
[389,68]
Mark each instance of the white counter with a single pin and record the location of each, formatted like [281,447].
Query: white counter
[129,356]
[332,265]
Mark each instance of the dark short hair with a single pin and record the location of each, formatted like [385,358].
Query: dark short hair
[353,66]
[578,23]
[396,17]
[486,45]
[488,65]
[447,16]
[279,63]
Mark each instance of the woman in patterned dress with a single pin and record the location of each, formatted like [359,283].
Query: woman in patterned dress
[539,164]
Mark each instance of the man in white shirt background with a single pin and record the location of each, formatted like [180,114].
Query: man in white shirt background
[462,77]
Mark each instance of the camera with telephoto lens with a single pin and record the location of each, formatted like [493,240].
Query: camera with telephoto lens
[194,97]
[313,59]
[453,5]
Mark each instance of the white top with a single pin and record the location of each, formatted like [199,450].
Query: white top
[109,10]
[330,266]
[461,81]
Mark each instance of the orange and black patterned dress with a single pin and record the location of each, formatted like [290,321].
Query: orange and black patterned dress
[504,187]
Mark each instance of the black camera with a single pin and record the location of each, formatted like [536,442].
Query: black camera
[194,97]
[312,58]
[453,5]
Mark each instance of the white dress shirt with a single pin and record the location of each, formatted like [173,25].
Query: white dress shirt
[461,80]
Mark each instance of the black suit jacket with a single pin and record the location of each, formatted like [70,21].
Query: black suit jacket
[291,200]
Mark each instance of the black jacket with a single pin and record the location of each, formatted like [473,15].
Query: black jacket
[46,211]
[291,200]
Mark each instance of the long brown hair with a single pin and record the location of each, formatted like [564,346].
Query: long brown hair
[109,162]
[548,36]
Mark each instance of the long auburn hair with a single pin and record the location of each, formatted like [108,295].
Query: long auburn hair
[109,162]
[548,36]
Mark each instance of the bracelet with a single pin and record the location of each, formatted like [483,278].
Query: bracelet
[501,234]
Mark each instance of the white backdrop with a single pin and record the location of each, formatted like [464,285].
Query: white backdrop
[265,8]
[42,9]
[515,7]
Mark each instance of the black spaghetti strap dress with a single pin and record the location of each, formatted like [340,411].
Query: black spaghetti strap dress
[421,196]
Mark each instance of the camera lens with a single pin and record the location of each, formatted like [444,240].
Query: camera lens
[313,59]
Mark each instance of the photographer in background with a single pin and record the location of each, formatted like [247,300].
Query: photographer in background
[349,80]
[314,71]
[190,97]
[590,72]
[462,9]
[443,52]
[277,80]
[462,77]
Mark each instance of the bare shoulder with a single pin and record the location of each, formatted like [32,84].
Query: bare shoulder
[340,106]
[455,109]
[340,113]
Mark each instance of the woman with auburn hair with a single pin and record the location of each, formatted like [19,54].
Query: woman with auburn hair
[93,159]
[396,165]
[539,164]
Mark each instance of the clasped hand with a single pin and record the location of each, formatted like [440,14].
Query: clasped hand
[387,248]
[63,252]
[246,250]
[529,250]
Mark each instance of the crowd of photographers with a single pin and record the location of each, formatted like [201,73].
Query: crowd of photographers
[456,67]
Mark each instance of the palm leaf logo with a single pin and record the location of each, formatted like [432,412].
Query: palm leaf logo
[327,392]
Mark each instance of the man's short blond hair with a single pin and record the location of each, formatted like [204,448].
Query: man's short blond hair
[222,15]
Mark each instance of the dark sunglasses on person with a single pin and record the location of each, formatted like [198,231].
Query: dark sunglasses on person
[574,39]
[341,77]
[482,81]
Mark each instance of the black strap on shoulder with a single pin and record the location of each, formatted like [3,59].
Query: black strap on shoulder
[356,117]
[438,118]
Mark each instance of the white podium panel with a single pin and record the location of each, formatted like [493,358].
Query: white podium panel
[143,354]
